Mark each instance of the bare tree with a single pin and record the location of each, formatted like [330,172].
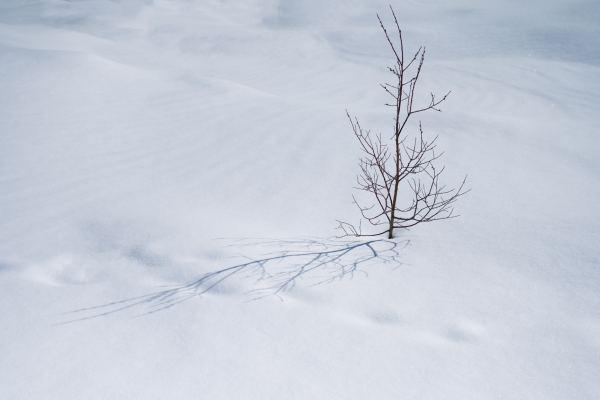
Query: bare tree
[409,166]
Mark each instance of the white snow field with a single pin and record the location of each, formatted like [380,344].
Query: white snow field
[145,144]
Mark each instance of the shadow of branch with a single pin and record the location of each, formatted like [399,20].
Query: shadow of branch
[275,272]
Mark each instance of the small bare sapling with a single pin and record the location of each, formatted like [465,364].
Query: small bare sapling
[409,165]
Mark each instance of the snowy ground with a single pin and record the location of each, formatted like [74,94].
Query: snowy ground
[135,135]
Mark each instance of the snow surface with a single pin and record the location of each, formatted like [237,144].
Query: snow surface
[135,135]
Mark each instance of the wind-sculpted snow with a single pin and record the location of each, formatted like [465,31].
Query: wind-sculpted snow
[134,132]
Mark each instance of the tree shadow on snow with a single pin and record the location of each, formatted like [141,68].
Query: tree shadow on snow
[275,272]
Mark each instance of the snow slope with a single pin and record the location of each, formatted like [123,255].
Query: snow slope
[146,143]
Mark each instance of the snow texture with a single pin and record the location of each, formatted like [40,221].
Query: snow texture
[171,172]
